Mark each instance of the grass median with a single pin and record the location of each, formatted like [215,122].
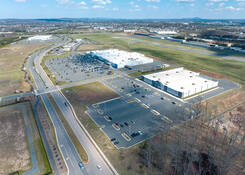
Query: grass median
[81,151]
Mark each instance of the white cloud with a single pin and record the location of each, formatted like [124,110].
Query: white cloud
[241,4]
[115,9]
[82,3]
[153,0]
[134,10]
[233,8]
[185,0]
[153,6]
[222,4]
[97,7]
[62,1]
[131,3]
[134,7]
[209,4]
[217,0]
[20,0]
[102,2]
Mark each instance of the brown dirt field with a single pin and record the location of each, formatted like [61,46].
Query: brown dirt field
[225,101]
[88,47]
[13,142]
[90,93]
[11,82]
[13,55]
[11,61]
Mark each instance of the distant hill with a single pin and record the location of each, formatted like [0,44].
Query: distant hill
[195,19]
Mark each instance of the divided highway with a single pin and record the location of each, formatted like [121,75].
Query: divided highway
[68,150]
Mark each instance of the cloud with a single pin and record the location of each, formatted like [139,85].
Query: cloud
[217,0]
[153,6]
[222,4]
[62,1]
[134,7]
[102,2]
[153,0]
[115,9]
[209,4]
[20,0]
[97,7]
[82,3]
[233,8]
[185,0]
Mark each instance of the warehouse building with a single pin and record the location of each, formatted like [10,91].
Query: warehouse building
[40,37]
[119,59]
[180,82]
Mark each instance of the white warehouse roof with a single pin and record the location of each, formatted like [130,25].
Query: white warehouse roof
[182,80]
[40,37]
[123,58]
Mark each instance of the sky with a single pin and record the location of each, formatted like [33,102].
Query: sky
[126,9]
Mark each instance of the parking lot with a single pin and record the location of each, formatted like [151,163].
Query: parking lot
[126,123]
[142,111]
[77,68]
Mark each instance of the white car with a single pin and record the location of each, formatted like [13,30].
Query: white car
[99,167]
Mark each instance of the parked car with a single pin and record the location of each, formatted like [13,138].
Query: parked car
[113,139]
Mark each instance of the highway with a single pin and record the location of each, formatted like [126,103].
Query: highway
[65,144]
[71,157]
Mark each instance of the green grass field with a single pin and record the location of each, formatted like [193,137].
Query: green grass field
[4,42]
[196,62]
[178,44]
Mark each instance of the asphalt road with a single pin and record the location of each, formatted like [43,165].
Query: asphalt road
[71,157]
[65,144]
